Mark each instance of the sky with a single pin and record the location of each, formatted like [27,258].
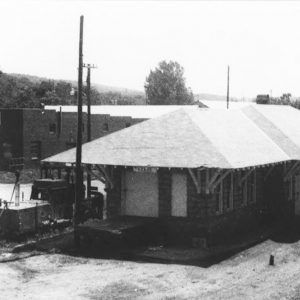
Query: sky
[260,40]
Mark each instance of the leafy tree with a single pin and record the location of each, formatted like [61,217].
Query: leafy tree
[63,89]
[25,91]
[166,85]
[285,99]
[44,87]
[51,98]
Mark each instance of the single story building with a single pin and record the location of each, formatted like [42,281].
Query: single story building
[201,173]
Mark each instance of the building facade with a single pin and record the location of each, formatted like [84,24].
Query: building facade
[29,135]
[237,201]
[201,173]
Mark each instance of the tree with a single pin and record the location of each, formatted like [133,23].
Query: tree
[285,99]
[166,85]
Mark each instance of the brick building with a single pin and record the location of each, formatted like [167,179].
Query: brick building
[29,135]
[202,173]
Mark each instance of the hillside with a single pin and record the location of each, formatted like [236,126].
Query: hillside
[19,90]
[23,90]
[101,88]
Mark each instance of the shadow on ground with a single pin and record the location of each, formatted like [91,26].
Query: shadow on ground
[167,254]
[111,248]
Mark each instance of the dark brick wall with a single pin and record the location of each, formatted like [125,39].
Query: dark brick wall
[164,192]
[202,208]
[11,133]
[21,127]
[113,199]
[197,204]
[36,129]
[203,221]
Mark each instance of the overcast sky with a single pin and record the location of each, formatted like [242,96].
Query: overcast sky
[259,40]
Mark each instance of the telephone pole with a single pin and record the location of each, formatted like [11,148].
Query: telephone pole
[228,69]
[88,94]
[79,175]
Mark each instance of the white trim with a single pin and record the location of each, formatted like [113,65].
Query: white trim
[220,179]
[291,171]
[195,180]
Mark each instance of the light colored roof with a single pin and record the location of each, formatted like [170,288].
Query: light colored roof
[134,111]
[191,138]
[217,104]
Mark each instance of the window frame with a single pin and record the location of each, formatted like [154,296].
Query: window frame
[245,189]
[252,176]
[50,128]
[105,127]
[38,146]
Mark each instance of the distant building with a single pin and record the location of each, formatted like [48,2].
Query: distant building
[29,135]
[263,99]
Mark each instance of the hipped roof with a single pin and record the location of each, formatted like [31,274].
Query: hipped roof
[197,137]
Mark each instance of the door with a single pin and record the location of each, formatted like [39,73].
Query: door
[179,195]
[141,194]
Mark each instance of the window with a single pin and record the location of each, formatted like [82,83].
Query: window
[105,127]
[291,188]
[249,187]
[7,152]
[36,150]
[71,141]
[219,198]
[52,128]
[228,191]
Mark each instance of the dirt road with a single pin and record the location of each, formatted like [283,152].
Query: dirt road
[244,276]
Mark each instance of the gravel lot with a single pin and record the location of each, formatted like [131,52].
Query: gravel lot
[247,275]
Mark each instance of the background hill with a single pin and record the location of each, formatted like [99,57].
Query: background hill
[23,90]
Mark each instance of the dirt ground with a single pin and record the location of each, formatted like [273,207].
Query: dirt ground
[246,275]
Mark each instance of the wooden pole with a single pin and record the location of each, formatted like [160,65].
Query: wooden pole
[89,134]
[228,87]
[79,175]
[88,82]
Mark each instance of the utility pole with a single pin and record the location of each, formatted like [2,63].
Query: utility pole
[79,175]
[228,87]
[88,94]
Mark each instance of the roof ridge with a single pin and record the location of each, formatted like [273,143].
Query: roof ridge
[243,110]
[188,113]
